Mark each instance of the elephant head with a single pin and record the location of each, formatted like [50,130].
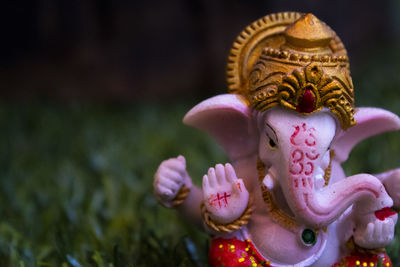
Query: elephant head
[291,108]
[296,149]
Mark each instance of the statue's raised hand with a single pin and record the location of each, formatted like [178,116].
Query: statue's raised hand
[376,234]
[171,175]
[225,195]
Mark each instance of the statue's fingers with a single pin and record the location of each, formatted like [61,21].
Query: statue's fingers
[220,173]
[164,192]
[175,164]
[206,184]
[377,233]
[182,166]
[181,159]
[388,229]
[230,172]
[212,179]
[369,231]
[170,184]
[172,175]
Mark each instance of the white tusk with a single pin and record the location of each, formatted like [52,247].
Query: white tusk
[268,182]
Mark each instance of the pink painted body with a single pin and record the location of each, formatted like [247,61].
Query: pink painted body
[295,150]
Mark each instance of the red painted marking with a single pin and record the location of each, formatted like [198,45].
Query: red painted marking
[303,155]
[313,142]
[311,168]
[215,200]
[295,133]
[297,155]
[211,201]
[384,213]
[223,197]
[226,198]
[312,156]
[293,171]
[310,182]
[218,199]
[240,189]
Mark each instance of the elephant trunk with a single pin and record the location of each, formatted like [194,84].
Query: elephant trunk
[320,208]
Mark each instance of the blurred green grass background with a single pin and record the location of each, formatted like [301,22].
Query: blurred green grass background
[76,180]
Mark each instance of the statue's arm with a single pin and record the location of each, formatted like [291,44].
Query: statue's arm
[170,182]
[190,208]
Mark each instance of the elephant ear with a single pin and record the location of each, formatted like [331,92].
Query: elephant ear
[370,122]
[227,118]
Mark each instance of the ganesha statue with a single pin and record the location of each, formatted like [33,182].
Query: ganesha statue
[287,124]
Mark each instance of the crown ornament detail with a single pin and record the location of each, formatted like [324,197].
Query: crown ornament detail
[294,61]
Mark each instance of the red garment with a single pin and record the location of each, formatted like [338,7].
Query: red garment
[361,260]
[236,253]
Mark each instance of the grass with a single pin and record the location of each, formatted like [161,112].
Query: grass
[76,186]
[76,180]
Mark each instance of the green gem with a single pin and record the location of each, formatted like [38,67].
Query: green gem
[309,237]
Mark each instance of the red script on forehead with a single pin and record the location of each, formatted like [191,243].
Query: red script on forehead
[303,155]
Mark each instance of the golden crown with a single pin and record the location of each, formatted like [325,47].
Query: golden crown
[292,60]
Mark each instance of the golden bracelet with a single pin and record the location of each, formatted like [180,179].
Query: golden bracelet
[180,196]
[228,227]
[178,199]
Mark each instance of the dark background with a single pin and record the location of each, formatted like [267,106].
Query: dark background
[124,51]
[91,101]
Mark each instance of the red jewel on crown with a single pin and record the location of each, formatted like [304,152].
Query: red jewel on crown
[307,102]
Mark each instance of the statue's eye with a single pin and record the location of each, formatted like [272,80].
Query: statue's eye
[271,144]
